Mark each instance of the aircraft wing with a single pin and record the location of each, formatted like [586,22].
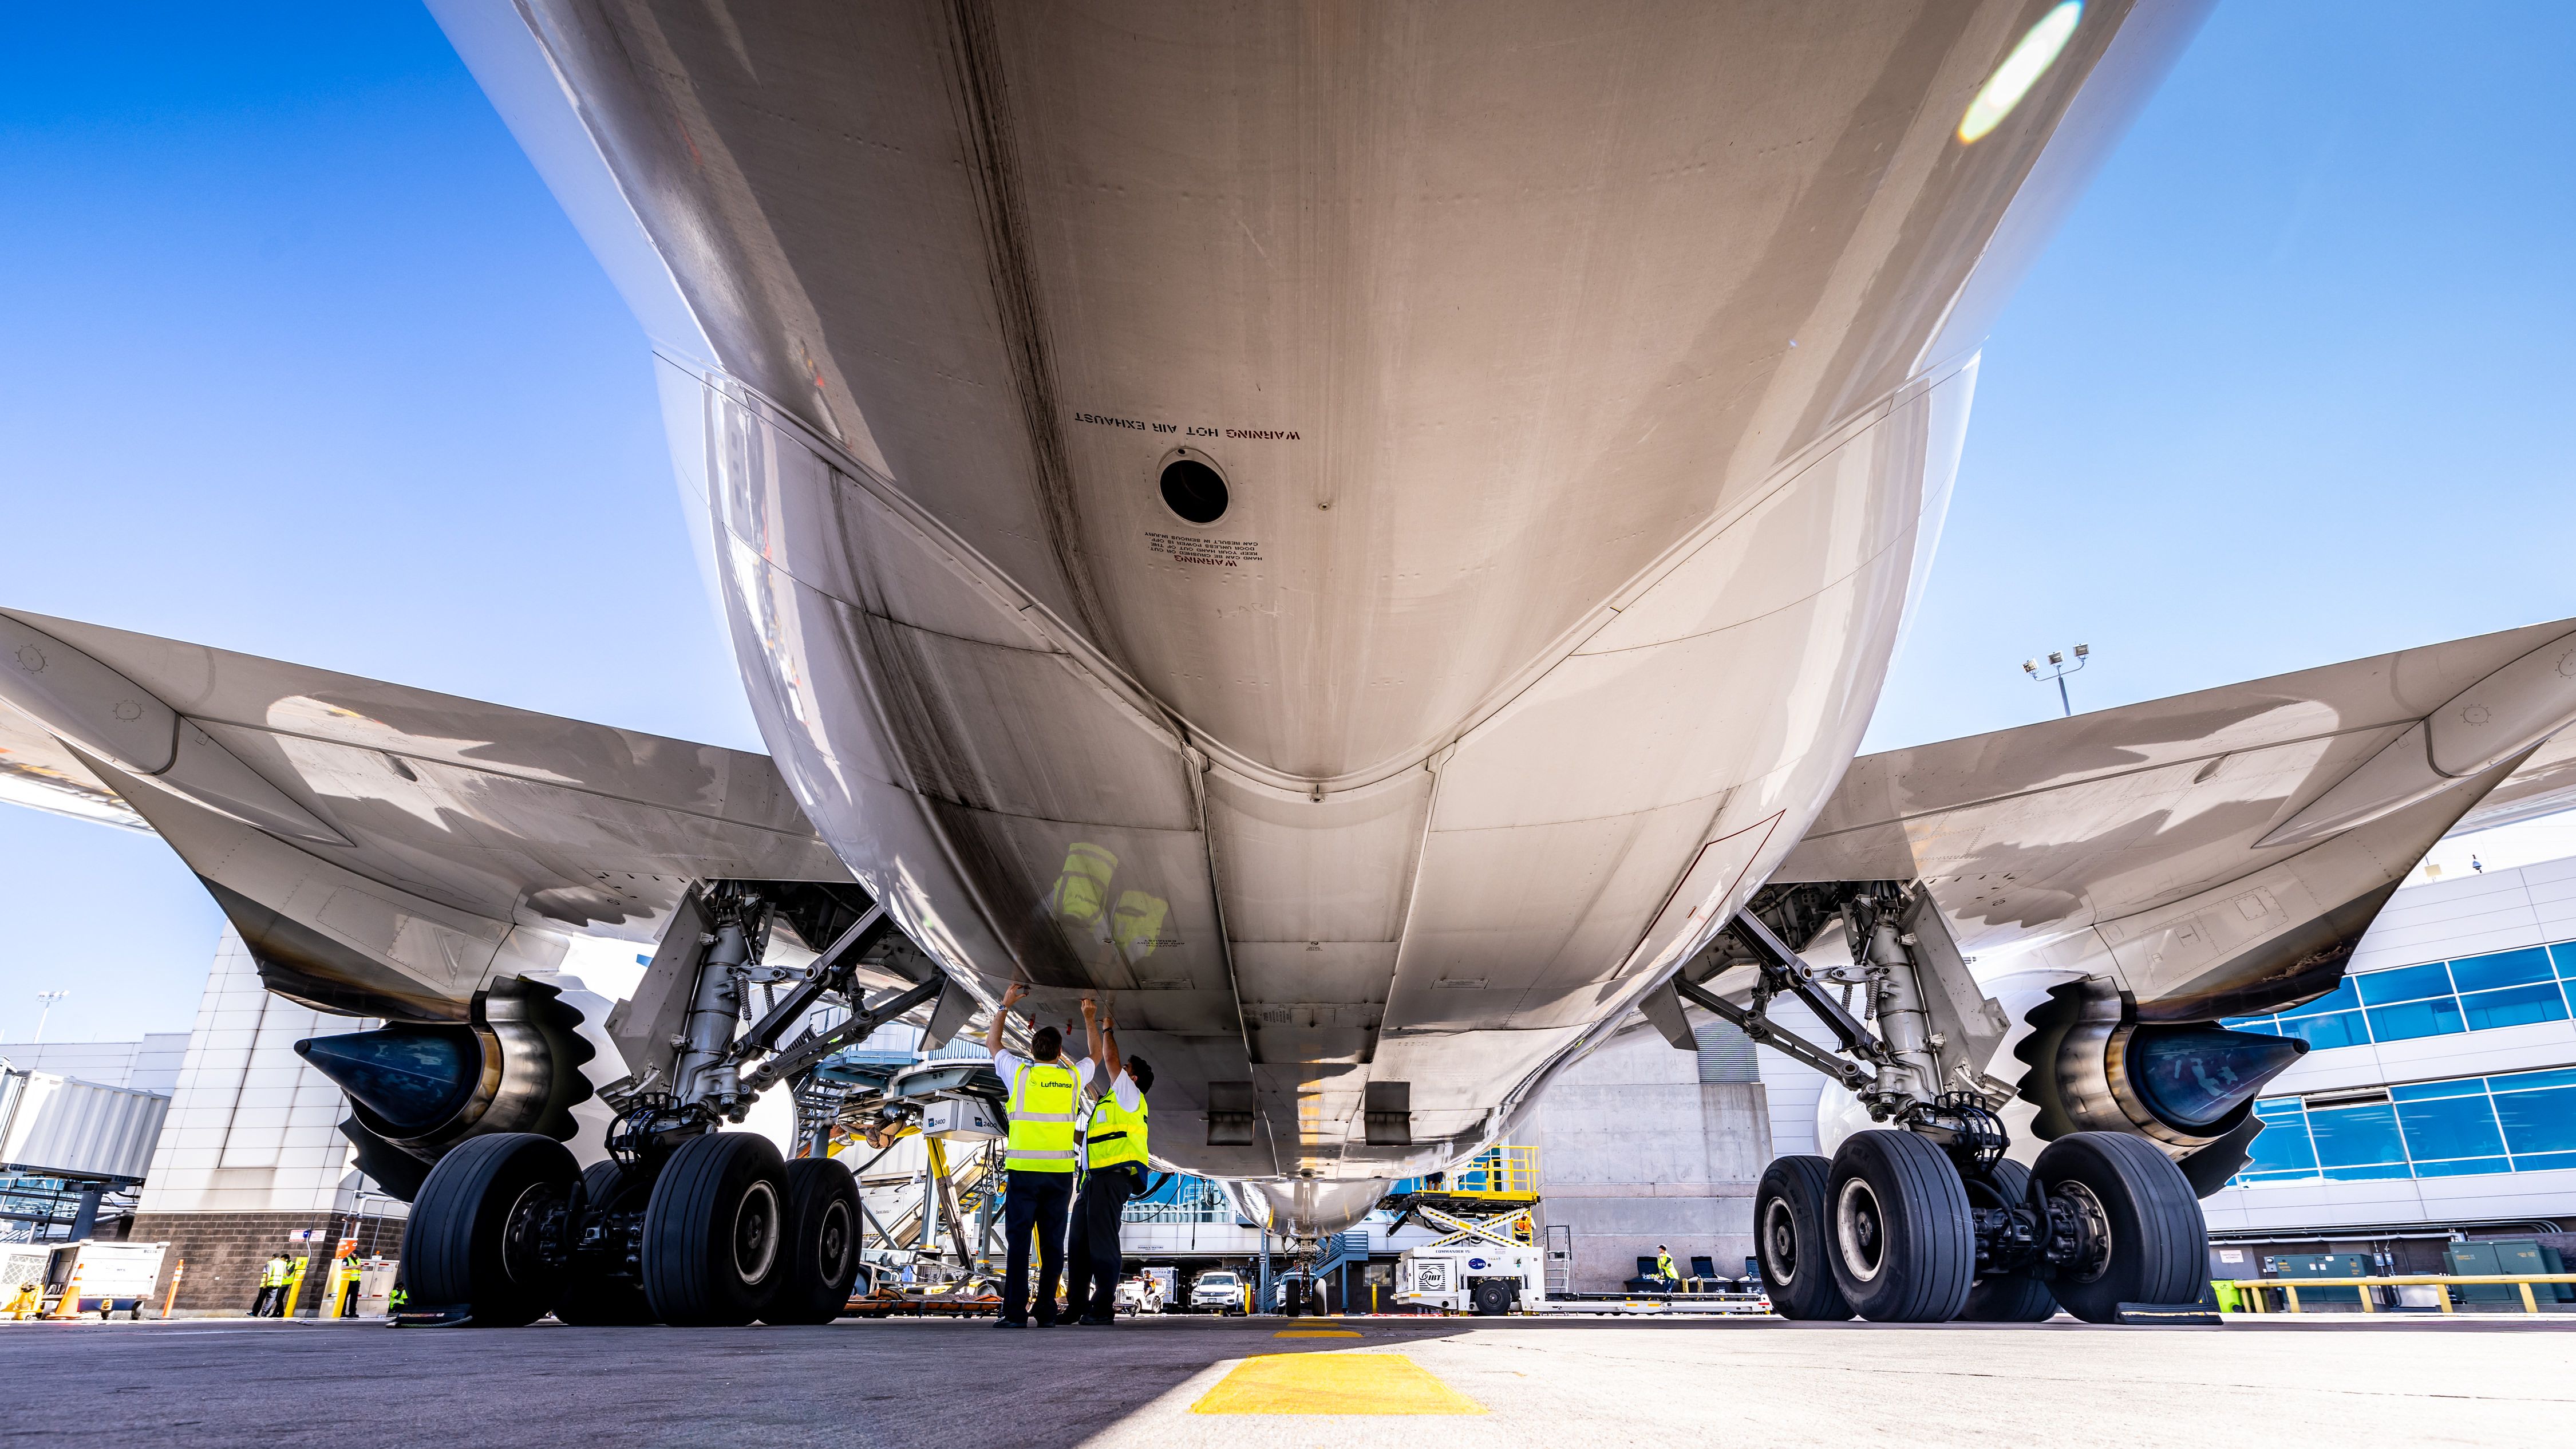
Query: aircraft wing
[2218,851]
[42,773]
[384,850]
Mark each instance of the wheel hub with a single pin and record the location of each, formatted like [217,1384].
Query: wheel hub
[1862,1228]
[531,1237]
[755,1232]
[2082,1246]
[1780,1243]
[833,1246]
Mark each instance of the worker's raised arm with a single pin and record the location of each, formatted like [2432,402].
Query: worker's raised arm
[1001,1016]
[1104,1048]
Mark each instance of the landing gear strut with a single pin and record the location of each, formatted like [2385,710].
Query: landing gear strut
[1930,1222]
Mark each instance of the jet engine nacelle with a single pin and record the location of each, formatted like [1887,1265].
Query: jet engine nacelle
[417,1089]
[2186,1086]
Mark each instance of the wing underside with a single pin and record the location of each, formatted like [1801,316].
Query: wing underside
[385,850]
[2176,845]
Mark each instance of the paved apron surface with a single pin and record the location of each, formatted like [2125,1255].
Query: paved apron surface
[1244,1383]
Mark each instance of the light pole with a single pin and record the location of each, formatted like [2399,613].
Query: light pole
[2058,670]
[48,998]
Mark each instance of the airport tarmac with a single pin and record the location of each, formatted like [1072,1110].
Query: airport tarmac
[1184,1381]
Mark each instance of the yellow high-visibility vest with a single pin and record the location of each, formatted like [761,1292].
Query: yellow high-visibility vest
[273,1274]
[1664,1266]
[1117,1135]
[1041,1118]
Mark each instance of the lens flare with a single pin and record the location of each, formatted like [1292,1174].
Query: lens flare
[2020,71]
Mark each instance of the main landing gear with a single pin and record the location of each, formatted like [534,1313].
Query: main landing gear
[1929,1222]
[1892,1231]
[685,1224]
[718,1233]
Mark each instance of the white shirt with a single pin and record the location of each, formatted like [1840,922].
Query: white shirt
[1121,1086]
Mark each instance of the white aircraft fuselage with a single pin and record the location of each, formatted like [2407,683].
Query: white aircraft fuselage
[1358,534]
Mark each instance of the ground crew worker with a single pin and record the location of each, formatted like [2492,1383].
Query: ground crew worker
[1039,1158]
[1114,1163]
[1664,1268]
[272,1287]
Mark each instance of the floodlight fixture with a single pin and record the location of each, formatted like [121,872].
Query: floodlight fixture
[2058,671]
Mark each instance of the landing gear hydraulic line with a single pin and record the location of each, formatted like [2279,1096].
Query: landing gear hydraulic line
[683,1224]
[1932,1222]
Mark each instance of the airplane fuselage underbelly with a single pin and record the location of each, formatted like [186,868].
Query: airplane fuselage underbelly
[1575,381]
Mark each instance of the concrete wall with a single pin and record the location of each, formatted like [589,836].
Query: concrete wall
[1635,1150]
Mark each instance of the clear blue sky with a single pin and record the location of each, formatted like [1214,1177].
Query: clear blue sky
[305,362]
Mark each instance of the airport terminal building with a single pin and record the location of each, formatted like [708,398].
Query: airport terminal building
[2439,1091]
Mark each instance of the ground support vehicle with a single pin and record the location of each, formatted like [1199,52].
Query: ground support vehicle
[1489,1266]
[89,1277]
[1218,1291]
[1139,1295]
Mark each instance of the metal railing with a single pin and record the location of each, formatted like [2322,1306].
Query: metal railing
[2289,1287]
[1498,1172]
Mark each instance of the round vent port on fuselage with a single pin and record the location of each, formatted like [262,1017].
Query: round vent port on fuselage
[1193,488]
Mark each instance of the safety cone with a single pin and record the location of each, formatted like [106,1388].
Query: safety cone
[68,1306]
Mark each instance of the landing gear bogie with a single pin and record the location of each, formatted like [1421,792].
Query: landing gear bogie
[601,1287]
[2004,1293]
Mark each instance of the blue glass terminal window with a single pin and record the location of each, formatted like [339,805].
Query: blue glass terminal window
[2438,998]
[2517,1122]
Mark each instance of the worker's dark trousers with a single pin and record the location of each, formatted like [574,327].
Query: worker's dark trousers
[1034,1203]
[1097,1214]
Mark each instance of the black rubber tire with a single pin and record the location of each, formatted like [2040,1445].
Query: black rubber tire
[1493,1298]
[2006,1297]
[592,1298]
[1789,1237]
[822,1243]
[714,1231]
[1896,1219]
[2159,1240]
[456,1247]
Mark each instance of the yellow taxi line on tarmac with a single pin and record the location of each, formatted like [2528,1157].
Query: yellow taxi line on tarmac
[1317,1333]
[1333,1383]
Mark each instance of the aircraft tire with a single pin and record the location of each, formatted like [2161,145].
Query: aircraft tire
[822,1243]
[1904,1249]
[2159,1248]
[466,1243]
[1789,1228]
[2006,1297]
[715,1231]
[592,1298]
